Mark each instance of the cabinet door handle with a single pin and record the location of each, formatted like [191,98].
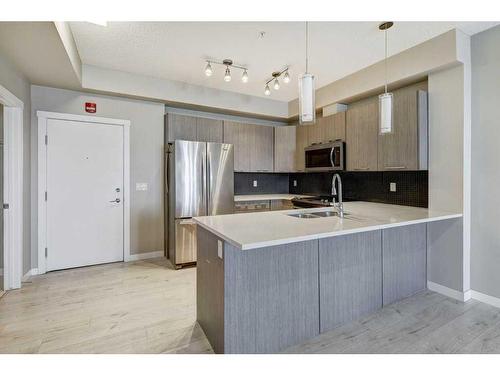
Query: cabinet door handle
[396,167]
[361,169]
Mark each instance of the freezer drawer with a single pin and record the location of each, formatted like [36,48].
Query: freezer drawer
[185,241]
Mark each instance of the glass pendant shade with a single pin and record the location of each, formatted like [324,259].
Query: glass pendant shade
[385,113]
[286,77]
[208,70]
[244,77]
[307,106]
[267,90]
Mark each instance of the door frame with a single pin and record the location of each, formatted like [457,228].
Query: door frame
[13,188]
[43,117]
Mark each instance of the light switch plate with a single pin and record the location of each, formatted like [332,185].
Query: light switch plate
[141,186]
[219,248]
[254,183]
[295,183]
[392,186]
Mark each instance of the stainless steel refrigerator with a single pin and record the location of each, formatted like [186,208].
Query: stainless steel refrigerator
[199,182]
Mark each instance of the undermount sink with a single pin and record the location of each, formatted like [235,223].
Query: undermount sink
[316,215]
[305,216]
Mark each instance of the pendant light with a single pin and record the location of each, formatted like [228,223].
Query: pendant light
[385,100]
[307,108]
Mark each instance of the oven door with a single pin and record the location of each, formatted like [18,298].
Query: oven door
[325,158]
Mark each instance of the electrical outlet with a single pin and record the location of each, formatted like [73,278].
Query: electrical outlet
[254,183]
[392,186]
[295,183]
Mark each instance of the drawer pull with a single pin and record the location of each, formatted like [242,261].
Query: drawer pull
[361,169]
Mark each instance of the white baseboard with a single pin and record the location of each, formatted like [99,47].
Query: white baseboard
[490,300]
[31,272]
[448,292]
[141,256]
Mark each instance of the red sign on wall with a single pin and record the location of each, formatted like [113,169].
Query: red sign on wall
[90,107]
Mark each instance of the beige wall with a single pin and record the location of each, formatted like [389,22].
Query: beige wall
[446,139]
[17,84]
[485,234]
[146,156]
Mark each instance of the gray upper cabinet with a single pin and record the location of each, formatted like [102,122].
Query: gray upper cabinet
[253,146]
[180,127]
[284,148]
[302,141]
[190,128]
[362,135]
[405,148]
[238,134]
[209,130]
[333,127]
[261,151]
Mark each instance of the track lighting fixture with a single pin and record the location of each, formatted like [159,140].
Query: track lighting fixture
[275,81]
[228,63]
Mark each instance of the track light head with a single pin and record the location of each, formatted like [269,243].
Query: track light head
[208,69]
[244,77]
[227,75]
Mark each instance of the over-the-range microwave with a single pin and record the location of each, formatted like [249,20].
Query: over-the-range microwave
[325,157]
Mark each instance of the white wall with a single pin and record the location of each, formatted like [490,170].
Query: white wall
[175,93]
[146,158]
[485,239]
[18,85]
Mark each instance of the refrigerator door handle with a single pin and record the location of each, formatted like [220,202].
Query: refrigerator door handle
[208,184]
[204,184]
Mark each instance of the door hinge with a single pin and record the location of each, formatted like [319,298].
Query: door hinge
[46,139]
[45,196]
[46,252]
[5,206]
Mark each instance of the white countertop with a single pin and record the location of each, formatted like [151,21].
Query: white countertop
[261,229]
[266,197]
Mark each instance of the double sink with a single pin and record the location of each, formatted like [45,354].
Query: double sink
[316,215]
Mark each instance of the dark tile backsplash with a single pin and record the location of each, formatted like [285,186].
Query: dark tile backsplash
[411,186]
[267,183]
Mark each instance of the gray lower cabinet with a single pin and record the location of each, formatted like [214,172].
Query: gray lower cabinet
[264,300]
[350,277]
[404,257]
[210,289]
[271,297]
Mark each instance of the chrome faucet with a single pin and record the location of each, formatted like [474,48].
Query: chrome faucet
[340,205]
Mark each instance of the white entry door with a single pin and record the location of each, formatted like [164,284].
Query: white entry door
[85,212]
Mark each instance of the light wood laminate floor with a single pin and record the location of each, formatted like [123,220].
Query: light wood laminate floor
[147,307]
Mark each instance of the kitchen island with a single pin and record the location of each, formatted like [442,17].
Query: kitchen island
[269,280]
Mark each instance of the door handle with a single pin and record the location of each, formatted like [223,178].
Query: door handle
[117,200]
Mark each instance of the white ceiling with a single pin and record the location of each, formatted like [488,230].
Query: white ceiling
[177,50]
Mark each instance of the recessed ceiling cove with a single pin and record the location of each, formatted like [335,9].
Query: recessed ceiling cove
[178,50]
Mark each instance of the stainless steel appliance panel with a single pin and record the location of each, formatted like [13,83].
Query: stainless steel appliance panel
[325,157]
[185,241]
[220,178]
[190,179]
